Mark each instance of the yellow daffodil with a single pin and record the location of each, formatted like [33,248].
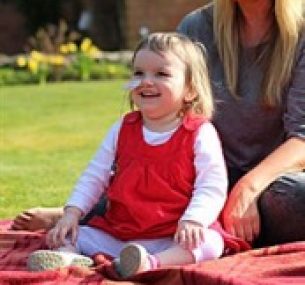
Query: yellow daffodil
[64,49]
[36,55]
[85,45]
[94,52]
[33,65]
[72,47]
[21,61]
[56,59]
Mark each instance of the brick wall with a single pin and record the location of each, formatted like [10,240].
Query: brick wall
[156,15]
[117,30]
[12,27]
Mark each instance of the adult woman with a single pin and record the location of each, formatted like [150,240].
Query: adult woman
[256,52]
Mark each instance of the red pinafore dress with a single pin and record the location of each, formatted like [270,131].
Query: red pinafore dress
[152,184]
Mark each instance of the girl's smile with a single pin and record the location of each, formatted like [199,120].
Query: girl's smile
[149,95]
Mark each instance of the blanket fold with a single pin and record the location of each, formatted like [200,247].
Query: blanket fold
[276,265]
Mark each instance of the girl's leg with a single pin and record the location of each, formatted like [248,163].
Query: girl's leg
[92,241]
[68,254]
[89,242]
[211,248]
[134,258]
[41,260]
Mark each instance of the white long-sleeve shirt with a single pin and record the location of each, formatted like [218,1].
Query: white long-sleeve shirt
[210,187]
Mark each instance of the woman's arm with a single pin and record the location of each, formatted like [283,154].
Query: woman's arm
[240,215]
[288,157]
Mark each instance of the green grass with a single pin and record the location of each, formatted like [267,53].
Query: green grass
[48,134]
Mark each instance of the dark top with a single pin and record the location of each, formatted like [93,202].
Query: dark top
[248,131]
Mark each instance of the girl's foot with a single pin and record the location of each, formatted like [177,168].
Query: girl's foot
[135,259]
[41,260]
[37,219]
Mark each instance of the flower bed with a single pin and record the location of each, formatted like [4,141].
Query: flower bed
[71,62]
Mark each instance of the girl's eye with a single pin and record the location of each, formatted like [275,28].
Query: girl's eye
[163,74]
[137,73]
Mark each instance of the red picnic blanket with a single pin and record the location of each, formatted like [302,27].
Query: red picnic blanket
[277,265]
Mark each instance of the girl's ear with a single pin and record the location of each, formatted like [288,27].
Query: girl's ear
[190,95]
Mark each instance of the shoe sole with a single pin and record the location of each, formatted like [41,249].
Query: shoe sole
[132,259]
[42,260]
[82,261]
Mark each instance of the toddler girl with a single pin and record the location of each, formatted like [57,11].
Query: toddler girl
[161,167]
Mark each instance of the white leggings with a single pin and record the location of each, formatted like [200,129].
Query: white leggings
[91,241]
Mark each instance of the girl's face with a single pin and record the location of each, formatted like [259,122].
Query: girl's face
[161,86]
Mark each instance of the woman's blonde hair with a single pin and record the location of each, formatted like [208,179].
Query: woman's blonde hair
[280,55]
[196,71]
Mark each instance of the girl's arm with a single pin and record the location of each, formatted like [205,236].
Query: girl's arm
[210,187]
[209,192]
[95,178]
[87,191]
[66,225]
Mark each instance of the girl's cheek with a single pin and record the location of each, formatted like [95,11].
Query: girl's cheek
[133,84]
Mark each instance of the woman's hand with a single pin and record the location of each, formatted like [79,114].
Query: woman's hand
[240,214]
[189,234]
[67,225]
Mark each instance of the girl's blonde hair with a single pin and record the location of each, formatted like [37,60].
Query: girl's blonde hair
[196,71]
[280,54]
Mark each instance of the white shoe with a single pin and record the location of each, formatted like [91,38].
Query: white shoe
[41,260]
[133,259]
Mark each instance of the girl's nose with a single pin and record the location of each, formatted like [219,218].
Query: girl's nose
[147,80]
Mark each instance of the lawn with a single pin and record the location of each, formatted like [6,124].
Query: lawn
[48,134]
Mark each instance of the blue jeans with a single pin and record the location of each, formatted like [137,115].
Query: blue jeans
[281,207]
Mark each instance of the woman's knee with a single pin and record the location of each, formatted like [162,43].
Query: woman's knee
[282,210]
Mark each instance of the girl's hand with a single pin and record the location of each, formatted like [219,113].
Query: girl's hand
[66,226]
[240,214]
[189,234]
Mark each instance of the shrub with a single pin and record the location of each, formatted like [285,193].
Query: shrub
[100,70]
[9,76]
[54,55]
